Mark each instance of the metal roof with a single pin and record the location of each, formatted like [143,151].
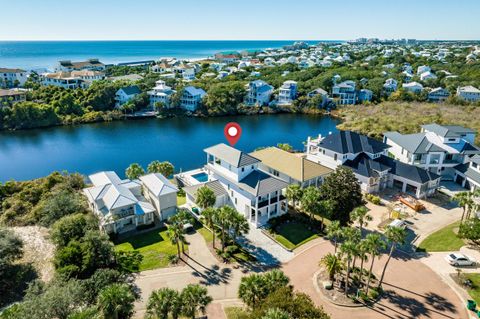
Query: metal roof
[231,155]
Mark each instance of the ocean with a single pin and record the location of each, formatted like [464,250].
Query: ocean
[45,54]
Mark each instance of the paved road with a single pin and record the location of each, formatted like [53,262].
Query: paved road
[201,267]
[412,289]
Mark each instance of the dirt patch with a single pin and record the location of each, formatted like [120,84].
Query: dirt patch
[38,250]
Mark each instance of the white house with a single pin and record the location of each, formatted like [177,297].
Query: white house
[438,95]
[73,79]
[161,93]
[344,93]
[292,168]
[468,93]
[161,193]
[191,98]
[287,93]
[90,64]
[258,93]
[437,148]
[390,85]
[427,76]
[368,160]
[119,204]
[236,180]
[12,77]
[413,87]
[125,94]
[468,174]
[422,69]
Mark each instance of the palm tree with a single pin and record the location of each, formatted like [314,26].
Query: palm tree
[464,200]
[362,254]
[194,298]
[116,301]
[239,225]
[360,215]
[164,302]
[311,199]
[333,265]
[134,171]
[164,168]
[205,197]
[353,235]
[276,313]
[176,234]
[252,289]
[373,245]
[274,280]
[210,215]
[334,232]
[294,193]
[225,218]
[395,236]
[348,250]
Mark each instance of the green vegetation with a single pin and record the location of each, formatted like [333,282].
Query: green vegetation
[235,313]
[445,239]
[405,118]
[166,302]
[270,292]
[154,246]
[294,234]
[474,292]
[41,201]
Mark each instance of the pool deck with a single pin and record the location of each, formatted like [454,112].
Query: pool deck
[187,177]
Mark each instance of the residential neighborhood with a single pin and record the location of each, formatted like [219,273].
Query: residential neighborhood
[253,160]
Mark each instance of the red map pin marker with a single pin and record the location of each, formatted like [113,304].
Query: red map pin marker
[232,132]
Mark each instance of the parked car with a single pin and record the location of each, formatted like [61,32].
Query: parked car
[398,223]
[187,227]
[457,259]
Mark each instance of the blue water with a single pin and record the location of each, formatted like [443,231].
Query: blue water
[90,148]
[45,54]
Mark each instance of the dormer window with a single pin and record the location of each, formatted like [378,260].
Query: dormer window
[474,165]
[335,156]
[243,169]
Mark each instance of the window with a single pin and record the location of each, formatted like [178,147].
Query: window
[474,165]
[451,139]
[335,156]
[243,169]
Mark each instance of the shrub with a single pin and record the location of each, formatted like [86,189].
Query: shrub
[373,199]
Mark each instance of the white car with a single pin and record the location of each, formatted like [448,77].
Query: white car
[398,223]
[457,259]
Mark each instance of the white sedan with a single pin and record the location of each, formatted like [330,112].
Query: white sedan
[457,259]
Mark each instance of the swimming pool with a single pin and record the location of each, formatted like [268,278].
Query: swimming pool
[201,177]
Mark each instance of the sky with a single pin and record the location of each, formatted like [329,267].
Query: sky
[238,20]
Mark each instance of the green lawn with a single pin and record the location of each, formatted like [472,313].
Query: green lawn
[181,200]
[293,234]
[207,235]
[235,313]
[154,246]
[444,239]
[475,291]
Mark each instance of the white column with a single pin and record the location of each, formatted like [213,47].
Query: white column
[268,213]
[256,211]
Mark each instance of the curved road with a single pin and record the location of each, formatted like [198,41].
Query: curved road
[412,289]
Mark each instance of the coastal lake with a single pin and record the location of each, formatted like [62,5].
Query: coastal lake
[113,146]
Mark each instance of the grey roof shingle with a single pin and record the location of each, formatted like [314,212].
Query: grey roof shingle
[414,143]
[365,166]
[215,186]
[259,183]
[447,130]
[345,142]
[130,90]
[231,155]
[410,172]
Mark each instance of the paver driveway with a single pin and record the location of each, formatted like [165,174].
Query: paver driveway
[412,290]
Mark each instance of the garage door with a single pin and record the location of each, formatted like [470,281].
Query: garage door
[397,184]
[411,189]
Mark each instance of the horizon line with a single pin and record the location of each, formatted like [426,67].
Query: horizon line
[201,40]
